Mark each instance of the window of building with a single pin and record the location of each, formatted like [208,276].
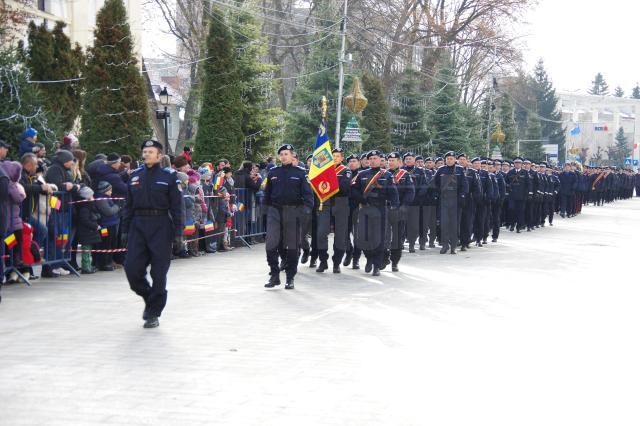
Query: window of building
[41,5]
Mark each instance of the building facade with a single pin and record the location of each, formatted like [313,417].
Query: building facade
[80,17]
[592,122]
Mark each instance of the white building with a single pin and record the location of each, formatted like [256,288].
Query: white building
[80,17]
[592,122]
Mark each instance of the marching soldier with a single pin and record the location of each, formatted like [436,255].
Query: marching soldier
[413,209]
[482,201]
[289,200]
[353,253]
[374,190]
[429,207]
[399,218]
[337,208]
[470,203]
[453,188]
[496,209]
[518,183]
[153,219]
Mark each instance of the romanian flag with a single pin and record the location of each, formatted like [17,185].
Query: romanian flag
[263,185]
[208,227]
[104,232]
[11,241]
[218,182]
[322,174]
[62,239]
[189,228]
[55,203]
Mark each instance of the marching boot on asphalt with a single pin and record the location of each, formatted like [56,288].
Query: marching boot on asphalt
[336,267]
[274,280]
[347,259]
[368,267]
[376,271]
[355,265]
[323,266]
[151,322]
[394,267]
[289,285]
[312,262]
[305,256]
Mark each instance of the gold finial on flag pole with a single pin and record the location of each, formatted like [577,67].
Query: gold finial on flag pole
[324,107]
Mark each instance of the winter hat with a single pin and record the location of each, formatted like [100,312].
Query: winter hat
[100,157]
[85,192]
[194,177]
[104,186]
[64,156]
[113,158]
[226,170]
[30,133]
[69,139]
[180,162]
[182,177]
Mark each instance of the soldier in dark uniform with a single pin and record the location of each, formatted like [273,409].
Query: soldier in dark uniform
[470,203]
[289,201]
[568,183]
[482,203]
[529,202]
[429,207]
[453,187]
[335,210]
[554,185]
[398,219]
[494,195]
[353,163]
[153,219]
[496,207]
[413,209]
[374,190]
[518,182]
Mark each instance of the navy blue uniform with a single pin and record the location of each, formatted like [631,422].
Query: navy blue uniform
[519,186]
[153,217]
[482,206]
[372,215]
[453,187]
[289,199]
[568,184]
[469,206]
[496,209]
[419,179]
[399,218]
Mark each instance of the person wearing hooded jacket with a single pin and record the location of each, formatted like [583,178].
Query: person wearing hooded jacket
[28,142]
[110,172]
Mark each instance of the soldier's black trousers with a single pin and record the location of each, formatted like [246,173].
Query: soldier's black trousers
[284,225]
[496,219]
[517,213]
[149,243]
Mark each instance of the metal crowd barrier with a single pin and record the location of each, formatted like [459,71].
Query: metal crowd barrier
[250,219]
[50,220]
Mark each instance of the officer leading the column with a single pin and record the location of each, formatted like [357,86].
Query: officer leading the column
[289,201]
[153,218]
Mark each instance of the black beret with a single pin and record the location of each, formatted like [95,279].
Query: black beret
[285,147]
[407,154]
[351,157]
[475,159]
[337,150]
[309,157]
[374,152]
[462,154]
[395,155]
[363,155]
[452,154]
[419,157]
[438,159]
[483,161]
[497,161]
[428,159]
[151,143]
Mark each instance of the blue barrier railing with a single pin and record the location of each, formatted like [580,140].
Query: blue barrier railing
[250,218]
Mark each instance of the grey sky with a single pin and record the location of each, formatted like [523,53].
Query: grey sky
[578,38]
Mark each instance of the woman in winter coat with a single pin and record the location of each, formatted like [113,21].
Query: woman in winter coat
[17,195]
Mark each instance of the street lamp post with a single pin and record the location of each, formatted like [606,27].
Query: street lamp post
[165,100]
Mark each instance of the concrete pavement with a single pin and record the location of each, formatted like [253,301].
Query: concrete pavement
[538,329]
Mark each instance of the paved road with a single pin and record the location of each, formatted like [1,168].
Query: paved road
[539,329]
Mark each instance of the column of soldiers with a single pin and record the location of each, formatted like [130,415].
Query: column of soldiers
[387,201]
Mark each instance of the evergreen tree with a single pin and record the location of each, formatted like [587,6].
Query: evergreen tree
[599,86]
[220,121]
[622,148]
[619,93]
[304,109]
[532,149]
[410,115]
[475,131]
[21,105]
[376,118]
[635,93]
[49,56]
[547,102]
[259,121]
[114,110]
[508,125]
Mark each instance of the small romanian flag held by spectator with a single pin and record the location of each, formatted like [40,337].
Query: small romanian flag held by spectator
[104,232]
[208,227]
[189,228]
[55,203]
[62,240]
[263,185]
[218,182]
[11,241]
[241,207]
